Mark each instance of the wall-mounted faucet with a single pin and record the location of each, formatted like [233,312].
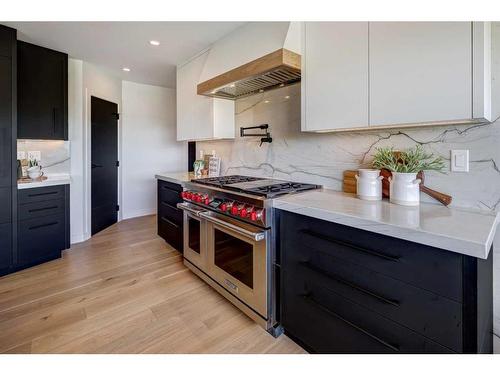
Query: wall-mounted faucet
[266,137]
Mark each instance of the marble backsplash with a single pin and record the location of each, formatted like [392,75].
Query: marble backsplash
[55,155]
[322,157]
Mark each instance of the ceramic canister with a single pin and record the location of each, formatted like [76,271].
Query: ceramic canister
[369,184]
[404,189]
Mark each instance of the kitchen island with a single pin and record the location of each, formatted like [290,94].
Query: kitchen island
[374,277]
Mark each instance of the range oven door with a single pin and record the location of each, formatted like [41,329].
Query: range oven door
[194,243]
[238,259]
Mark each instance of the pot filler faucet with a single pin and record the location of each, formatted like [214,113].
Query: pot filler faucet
[266,137]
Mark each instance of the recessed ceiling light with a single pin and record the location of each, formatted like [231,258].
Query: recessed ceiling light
[126,69]
[232,85]
[154,42]
[287,97]
[266,101]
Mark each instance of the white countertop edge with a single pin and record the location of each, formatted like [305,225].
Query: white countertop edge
[461,246]
[50,181]
[175,177]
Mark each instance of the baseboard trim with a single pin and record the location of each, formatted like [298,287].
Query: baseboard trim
[138,213]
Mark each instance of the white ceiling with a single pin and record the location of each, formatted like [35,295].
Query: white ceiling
[115,45]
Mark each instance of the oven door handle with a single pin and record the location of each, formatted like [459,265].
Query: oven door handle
[255,236]
[188,208]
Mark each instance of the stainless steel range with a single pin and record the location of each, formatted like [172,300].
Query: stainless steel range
[229,240]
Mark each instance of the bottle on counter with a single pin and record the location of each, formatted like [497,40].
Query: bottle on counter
[199,165]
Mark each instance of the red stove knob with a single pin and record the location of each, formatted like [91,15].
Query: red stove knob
[243,212]
[223,207]
[206,200]
[253,215]
[189,195]
[198,198]
[183,194]
[234,209]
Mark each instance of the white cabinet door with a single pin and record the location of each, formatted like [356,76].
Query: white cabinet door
[200,117]
[420,72]
[334,75]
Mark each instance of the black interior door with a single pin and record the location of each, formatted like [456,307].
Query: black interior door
[104,185]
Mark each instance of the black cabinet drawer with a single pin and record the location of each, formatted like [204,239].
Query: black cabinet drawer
[5,204]
[5,247]
[325,322]
[40,238]
[40,194]
[40,209]
[169,185]
[426,313]
[423,266]
[170,211]
[169,193]
[170,232]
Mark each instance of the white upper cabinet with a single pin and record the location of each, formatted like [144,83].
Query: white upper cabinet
[420,72]
[359,75]
[334,75]
[200,117]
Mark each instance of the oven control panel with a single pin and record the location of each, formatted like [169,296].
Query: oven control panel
[234,208]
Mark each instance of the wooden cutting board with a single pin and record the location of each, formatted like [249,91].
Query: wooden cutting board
[349,182]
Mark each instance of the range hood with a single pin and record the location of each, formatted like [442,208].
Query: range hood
[258,57]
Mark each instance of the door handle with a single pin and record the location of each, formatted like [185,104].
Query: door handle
[54,122]
[189,208]
[255,236]
[96,166]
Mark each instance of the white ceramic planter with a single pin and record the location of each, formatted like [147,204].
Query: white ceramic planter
[369,184]
[404,189]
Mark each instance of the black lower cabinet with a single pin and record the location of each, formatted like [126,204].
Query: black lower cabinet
[170,218]
[43,227]
[345,290]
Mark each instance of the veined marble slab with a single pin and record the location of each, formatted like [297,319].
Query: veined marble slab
[468,232]
[52,180]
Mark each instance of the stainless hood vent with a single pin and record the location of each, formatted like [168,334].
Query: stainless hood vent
[277,69]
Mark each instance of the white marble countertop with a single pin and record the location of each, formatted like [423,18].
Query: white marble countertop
[177,177]
[52,179]
[462,231]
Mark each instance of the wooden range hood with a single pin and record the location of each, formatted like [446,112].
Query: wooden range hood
[277,69]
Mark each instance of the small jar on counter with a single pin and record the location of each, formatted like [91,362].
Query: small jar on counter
[369,184]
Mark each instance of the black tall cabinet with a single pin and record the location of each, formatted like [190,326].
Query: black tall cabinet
[8,130]
[42,76]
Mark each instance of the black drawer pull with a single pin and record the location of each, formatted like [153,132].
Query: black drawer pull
[42,209]
[169,205]
[350,284]
[40,194]
[43,225]
[309,299]
[169,222]
[172,190]
[392,258]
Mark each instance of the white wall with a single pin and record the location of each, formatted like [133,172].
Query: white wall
[149,144]
[86,80]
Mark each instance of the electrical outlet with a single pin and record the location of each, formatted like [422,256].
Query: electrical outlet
[21,155]
[459,160]
[34,155]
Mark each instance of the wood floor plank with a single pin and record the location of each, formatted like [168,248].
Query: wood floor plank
[123,291]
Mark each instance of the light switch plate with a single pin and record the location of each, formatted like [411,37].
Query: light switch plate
[459,160]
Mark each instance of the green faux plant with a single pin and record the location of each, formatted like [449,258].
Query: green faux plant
[412,160]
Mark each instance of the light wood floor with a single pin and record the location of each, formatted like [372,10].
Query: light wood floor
[123,291]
